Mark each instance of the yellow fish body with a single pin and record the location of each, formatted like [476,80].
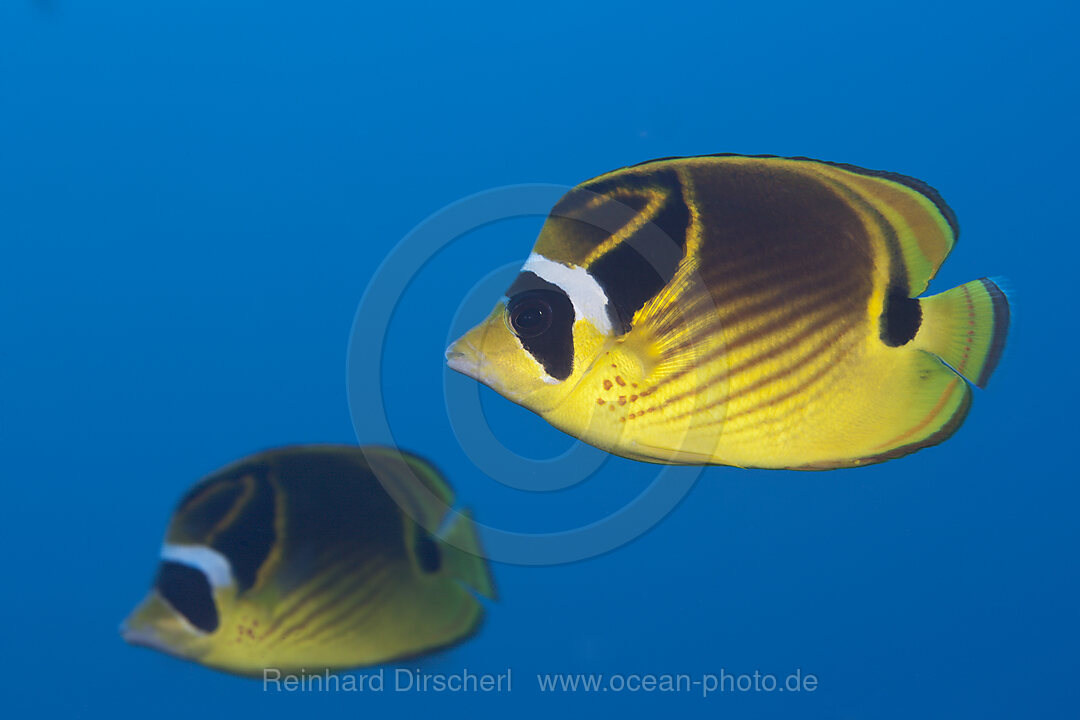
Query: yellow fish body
[300,558]
[748,311]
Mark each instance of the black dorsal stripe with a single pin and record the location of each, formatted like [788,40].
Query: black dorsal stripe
[188,591]
[635,270]
[426,550]
[553,349]
[247,540]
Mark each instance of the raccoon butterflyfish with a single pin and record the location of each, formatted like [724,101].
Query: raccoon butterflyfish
[303,558]
[748,311]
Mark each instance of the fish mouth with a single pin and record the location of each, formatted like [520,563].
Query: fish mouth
[463,357]
[139,633]
[151,624]
[149,638]
[456,360]
[143,637]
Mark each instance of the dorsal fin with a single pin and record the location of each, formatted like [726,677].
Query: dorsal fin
[925,226]
[399,472]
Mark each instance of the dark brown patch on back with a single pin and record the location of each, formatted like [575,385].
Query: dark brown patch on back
[915,184]
[794,230]
[778,248]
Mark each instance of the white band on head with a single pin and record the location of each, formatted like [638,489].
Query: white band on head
[586,295]
[212,563]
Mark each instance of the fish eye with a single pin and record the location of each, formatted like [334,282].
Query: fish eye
[529,313]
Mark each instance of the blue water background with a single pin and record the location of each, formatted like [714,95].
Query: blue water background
[193,196]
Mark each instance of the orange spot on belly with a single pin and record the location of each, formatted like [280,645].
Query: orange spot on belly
[607,384]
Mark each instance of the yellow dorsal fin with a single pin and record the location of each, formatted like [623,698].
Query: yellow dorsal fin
[919,225]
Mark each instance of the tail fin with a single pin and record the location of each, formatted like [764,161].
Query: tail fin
[966,328]
[464,556]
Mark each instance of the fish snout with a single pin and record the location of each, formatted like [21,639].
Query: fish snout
[464,357]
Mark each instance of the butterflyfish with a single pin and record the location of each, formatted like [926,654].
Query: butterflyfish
[307,557]
[760,312]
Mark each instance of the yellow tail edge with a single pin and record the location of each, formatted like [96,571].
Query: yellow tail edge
[465,557]
[966,328]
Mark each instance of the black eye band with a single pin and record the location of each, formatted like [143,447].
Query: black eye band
[542,317]
[189,593]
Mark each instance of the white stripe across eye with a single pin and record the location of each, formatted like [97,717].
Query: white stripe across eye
[586,295]
[212,563]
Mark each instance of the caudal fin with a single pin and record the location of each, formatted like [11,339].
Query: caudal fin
[464,556]
[966,328]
